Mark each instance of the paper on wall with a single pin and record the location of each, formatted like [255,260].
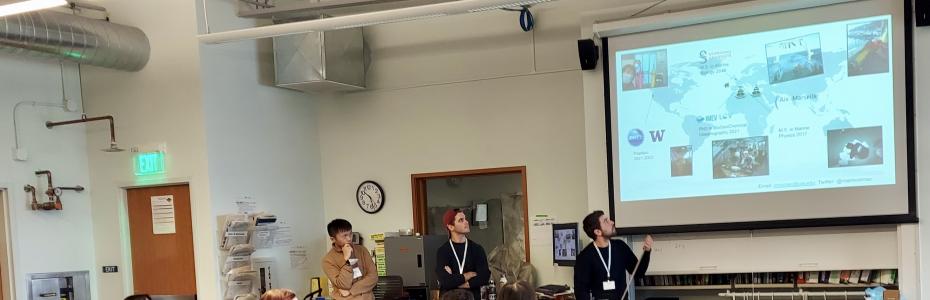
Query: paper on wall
[264,236]
[163,221]
[283,236]
[541,231]
[299,258]
[246,205]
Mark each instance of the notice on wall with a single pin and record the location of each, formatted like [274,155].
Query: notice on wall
[264,236]
[163,215]
[541,230]
[283,236]
[299,258]
[246,205]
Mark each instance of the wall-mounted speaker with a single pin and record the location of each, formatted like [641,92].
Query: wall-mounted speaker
[587,54]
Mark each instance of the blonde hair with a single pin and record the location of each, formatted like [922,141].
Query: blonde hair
[519,290]
[279,294]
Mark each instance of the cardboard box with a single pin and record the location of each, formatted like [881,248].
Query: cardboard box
[892,295]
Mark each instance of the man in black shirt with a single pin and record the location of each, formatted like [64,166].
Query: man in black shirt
[592,278]
[465,267]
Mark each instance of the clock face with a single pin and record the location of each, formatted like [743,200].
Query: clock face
[370,197]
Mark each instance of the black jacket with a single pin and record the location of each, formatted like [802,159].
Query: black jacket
[476,261]
[590,273]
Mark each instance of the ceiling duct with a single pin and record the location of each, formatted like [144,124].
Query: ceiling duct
[331,61]
[74,38]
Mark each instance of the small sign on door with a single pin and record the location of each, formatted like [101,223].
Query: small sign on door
[163,215]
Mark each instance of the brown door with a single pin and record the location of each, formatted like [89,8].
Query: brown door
[163,263]
[6,292]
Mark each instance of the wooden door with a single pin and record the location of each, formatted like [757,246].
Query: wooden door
[6,268]
[162,263]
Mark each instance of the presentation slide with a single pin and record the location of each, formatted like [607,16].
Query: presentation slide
[810,107]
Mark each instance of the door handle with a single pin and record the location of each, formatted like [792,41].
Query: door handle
[419,260]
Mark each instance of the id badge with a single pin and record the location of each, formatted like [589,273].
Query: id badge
[610,285]
[356,273]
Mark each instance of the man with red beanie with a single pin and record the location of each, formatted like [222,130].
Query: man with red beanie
[461,263]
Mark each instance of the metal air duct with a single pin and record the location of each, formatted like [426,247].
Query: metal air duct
[74,38]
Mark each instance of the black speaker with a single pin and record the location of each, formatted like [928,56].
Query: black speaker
[922,12]
[587,54]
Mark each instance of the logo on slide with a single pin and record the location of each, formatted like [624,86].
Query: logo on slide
[715,55]
[635,137]
[657,135]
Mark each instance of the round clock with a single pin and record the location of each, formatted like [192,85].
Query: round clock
[370,196]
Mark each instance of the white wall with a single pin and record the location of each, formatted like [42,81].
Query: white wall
[455,127]
[461,93]
[262,143]
[159,104]
[44,241]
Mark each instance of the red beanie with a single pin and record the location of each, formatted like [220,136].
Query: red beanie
[449,217]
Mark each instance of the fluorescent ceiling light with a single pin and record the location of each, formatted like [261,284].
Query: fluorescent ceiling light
[29,5]
[365,19]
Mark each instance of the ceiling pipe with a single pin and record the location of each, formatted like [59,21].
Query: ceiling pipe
[75,38]
[84,119]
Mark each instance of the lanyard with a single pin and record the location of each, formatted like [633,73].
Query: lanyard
[610,257]
[461,263]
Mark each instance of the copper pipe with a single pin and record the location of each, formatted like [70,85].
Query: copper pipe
[31,189]
[85,119]
[54,200]
[49,174]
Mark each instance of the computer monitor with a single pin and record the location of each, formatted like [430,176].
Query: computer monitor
[564,243]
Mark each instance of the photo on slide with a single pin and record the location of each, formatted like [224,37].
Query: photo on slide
[566,244]
[867,48]
[741,157]
[794,58]
[644,70]
[852,147]
[681,160]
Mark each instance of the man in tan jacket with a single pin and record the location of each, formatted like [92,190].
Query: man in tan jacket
[349,267]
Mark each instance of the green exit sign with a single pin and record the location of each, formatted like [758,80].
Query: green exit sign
[149,163]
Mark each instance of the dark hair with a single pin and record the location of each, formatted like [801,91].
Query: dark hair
[520,290]
[337,226]
[458,294]
[278,294]
[591,222]
[451,213]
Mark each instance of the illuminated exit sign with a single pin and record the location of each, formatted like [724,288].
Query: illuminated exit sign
[149,163]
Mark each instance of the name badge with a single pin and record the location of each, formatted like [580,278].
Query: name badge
[356,273]
[610,285]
